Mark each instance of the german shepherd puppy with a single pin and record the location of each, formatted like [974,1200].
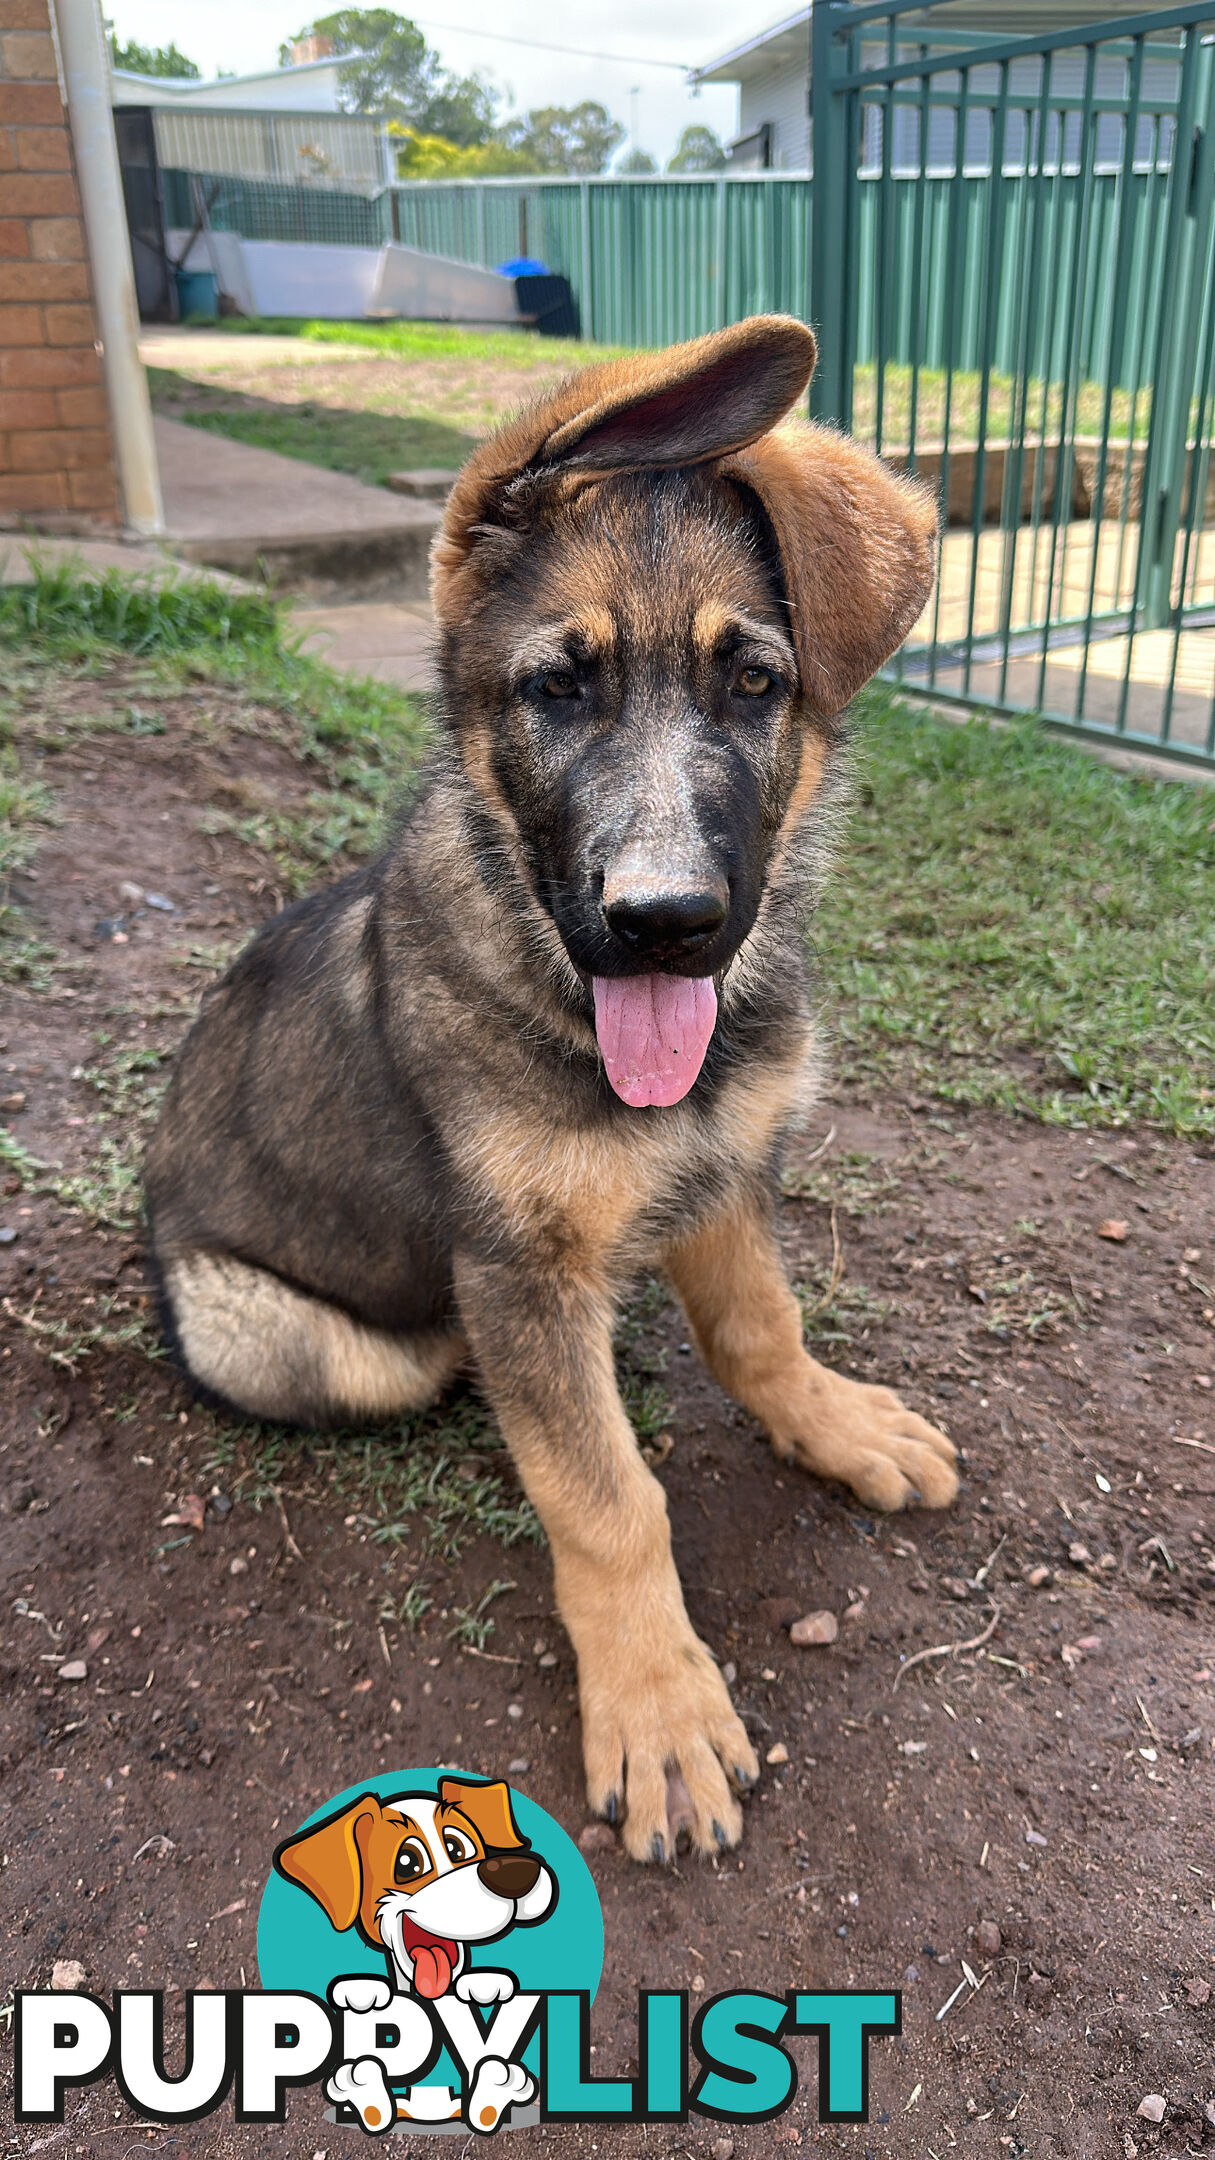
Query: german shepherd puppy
[450,1107]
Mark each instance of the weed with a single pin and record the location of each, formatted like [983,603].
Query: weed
[67,1341]
[473,1626]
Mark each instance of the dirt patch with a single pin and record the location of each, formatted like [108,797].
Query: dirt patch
[1054,1780]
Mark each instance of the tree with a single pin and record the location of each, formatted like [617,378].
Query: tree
[698,150]
[637,161]
[564,139]
[431,157]
[398,73]
[162,60]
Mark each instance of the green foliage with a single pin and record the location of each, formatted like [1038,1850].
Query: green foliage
[63,612]
[162,60]
[637,162]
[428,341]
[565,138]
[432,157]
[393,71]
[1014,923]
[698,150]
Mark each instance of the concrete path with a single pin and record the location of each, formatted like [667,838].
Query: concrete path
[18,552]
[255,512]
[395,643]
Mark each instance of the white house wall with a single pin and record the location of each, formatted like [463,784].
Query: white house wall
[780,99]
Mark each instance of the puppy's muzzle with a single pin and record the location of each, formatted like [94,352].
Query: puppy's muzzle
[509,1875]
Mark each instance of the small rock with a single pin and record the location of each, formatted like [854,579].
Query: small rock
[96,1637]
[777,1754]
[1208,2113]
[113,928]
[547,1662]
[955,1586]
[723,2149]
[816,1627]
[597,1837]
[9,1236]
[729,1674]
[988,1940]
[779,1612]
[514,1710]
[1037,1576]
[67,1974]
[75,1669]
[1113,1230]
[1152,2107]
[239,1566]
[221,1503]
[12,1102]
[1197,1992]
[855,1612]
[1038,1989]
[128,890]
[1035,1837]
[158,901]
[519,1767]
[1079,1553]
[1191,1740]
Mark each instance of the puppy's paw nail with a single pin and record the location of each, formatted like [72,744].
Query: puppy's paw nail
[658,1848]
[720,1835]
[743,1778]
[612,1810]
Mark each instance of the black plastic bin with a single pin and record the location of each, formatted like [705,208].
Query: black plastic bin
[549,303]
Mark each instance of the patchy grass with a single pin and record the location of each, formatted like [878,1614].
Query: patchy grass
[1016,924]
[368,445]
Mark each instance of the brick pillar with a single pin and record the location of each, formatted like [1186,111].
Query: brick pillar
[56,452]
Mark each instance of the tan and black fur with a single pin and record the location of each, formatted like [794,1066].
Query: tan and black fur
[390,1146]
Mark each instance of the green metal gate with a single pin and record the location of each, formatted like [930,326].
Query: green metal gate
[989,320]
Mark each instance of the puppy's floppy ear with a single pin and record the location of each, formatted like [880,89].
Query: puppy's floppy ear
[488,1810]
[684,406]
[326,1861]
[858,549]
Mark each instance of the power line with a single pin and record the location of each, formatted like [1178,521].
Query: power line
[577,52]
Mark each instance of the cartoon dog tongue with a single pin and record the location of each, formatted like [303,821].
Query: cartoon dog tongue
[653,1032]
[433,1957]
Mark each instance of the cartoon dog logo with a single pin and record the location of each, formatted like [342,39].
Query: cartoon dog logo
[422,1876]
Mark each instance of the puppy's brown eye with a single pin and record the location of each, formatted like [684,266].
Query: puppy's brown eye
[753,681]
[558,684]
[410,1863]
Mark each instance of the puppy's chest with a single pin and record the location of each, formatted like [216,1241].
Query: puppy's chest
[615,1193]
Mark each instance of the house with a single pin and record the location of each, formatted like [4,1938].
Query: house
[308,87]
[773,75]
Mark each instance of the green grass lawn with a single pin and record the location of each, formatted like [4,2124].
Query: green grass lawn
[368,445]
[1010,922]
[1013,922]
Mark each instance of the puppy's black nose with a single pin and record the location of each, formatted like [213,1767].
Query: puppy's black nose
[666,919]
[510,1874]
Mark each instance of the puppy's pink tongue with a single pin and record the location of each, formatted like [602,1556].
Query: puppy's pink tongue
[653,1032]
[431,1970]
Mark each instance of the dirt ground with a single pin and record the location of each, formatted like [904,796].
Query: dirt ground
[1054,1779]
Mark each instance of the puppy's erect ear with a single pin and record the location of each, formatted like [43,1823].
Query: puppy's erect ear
[488,1810]
[858,549]
[684,406]
[327,1863]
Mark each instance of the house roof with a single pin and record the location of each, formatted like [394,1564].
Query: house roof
[787,43]
[233,90]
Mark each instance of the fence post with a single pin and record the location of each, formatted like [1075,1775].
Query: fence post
[586,302]
[719,254]
[832,196]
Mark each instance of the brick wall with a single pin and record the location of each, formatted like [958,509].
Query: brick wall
[56,454]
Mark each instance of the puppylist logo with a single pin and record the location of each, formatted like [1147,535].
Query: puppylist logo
[429,1947]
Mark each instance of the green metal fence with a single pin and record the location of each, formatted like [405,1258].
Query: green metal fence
[1041,348]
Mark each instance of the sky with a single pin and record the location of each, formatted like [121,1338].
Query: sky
[652,102]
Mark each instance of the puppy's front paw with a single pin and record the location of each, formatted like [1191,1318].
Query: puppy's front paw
[497,2086]
[360,1992]
[362,2086]
[485,1987]
[869,1439]
[662,1740]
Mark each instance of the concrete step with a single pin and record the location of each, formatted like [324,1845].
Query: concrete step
[266,516]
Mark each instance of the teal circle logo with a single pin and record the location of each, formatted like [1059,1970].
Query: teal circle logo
[429,1908]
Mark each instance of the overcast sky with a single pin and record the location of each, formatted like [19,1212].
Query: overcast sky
[243,35]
